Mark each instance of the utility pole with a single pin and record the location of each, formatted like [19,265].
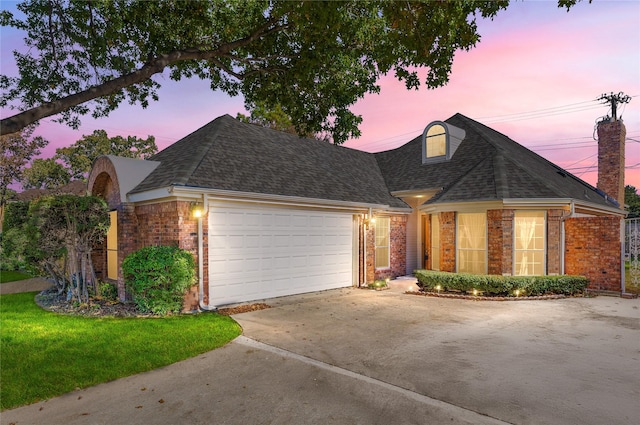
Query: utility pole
[614,99]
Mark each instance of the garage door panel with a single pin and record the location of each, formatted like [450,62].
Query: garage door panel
[289,252]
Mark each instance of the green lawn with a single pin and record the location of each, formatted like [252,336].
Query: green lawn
[7,276]
[46,354]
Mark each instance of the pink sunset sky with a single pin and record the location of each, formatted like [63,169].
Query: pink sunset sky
[535,76]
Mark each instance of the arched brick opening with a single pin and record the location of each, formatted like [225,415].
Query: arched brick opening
[103,182]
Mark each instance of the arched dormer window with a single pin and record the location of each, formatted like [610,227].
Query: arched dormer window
[440,141]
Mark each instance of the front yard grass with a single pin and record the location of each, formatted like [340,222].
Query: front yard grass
[11,276]
[46,354]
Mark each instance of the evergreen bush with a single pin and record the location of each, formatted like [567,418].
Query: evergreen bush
[157,277]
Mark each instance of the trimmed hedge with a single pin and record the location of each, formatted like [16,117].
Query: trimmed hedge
[494,285]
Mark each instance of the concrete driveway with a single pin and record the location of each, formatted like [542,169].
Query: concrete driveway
[363,357]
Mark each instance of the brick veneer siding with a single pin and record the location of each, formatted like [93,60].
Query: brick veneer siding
[500,241]
[447,241]
[554,240]
[397,250]
[171,223]
[103,182]
[611,135]
[593,249]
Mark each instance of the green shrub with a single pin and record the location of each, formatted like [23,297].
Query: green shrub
[494,285]
[157,277]
[108,291]
[15,215]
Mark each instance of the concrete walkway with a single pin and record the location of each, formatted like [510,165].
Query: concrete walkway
[35,284]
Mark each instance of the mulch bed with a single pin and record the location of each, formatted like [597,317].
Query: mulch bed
[246,308]
[98,307]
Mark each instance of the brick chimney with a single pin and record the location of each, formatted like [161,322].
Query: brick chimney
[611,135]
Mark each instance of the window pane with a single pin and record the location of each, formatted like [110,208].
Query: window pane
[529,243]
[112,246]
[436,141]
[382,242]
[472,243]
[435,242]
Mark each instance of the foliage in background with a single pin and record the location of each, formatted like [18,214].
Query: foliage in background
[79,157]
[274,118]
[45,355]
[157,277]
[632,201]
[16,150]
[314,59]
[501,285]
[62,231]
[14,242]
[45,174]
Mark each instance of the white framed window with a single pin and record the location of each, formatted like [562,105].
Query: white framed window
[383,243]
[471,243]
[529,243]
[435,242]
[440,141]
[436,141]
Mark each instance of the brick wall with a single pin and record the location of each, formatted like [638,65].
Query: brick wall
[554,240]
[500,241]
[447,241]
[611,135]
[593,249]
[103,182]
[398,250]
[171,223]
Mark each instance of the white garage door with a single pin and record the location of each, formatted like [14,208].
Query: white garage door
[258,252]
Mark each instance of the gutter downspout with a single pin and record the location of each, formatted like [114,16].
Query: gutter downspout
[201,303]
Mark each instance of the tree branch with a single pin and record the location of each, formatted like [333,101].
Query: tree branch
[154,66]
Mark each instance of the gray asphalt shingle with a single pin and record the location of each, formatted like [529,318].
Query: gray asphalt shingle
[230,155]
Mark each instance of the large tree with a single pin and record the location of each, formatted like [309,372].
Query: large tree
[632,201]
[314,59]
[17,150]
[45,174]
[79,157]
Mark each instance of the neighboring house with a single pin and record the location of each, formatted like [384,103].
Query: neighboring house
[76,187]
[268,214]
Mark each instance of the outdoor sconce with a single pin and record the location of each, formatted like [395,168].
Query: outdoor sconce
[368,219]
[197,209]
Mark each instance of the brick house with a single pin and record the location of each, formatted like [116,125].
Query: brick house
[268,214]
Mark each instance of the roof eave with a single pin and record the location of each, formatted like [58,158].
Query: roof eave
[187,193]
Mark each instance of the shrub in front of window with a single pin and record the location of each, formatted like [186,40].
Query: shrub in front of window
[494,285]
[157,277]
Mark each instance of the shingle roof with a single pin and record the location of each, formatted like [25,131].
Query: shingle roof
[75,187]
[486,166]
[230,155]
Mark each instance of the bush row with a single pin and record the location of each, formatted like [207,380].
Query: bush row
[429,280]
